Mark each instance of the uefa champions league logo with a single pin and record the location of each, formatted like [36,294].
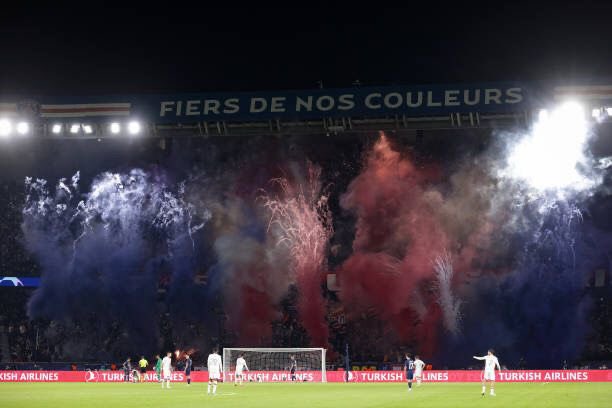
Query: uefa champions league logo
[15,281]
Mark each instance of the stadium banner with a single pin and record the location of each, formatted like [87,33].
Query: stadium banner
[358,102]
[411,101]
[310,376]
[435,100]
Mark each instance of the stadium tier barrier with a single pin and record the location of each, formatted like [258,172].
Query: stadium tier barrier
[332,376]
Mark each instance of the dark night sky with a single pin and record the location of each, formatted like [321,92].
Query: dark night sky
[98,50]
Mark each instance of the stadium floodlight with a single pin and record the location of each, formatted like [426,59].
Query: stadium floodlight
[115,128]
[56,129]
[75,128]
[23,128]
[596,112]
[563,134]
[543,114]
[134,127]
[609,111]
[88,129]
[6,127]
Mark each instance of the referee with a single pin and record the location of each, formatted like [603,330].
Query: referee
[143,363]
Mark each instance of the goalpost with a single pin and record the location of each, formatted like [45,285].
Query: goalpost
[274,364]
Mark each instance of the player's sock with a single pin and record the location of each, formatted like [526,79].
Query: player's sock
[492,391]
[208,388]
[409,385]
[484,388]
[188,381]
[214,388]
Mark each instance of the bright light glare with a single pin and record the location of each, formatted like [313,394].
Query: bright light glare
[595,113]
[74,128]
[547,157]
[87,129]
[609,111]
[5,127]
[23,128]
[56,129]
[543,115]
[115,128]
[134,127]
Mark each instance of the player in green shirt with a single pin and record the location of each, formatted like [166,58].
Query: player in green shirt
[158,364]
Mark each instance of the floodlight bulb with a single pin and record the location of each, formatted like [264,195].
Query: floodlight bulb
[115,128]
[134,127]
[23,128]
[5,127]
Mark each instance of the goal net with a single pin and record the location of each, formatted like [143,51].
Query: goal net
[276,364]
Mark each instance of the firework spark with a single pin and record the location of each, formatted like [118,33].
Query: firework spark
[301,221]
[451,307]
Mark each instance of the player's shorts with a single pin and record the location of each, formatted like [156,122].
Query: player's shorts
[292,370]
[410,375]
[214,375]
[238,373]
[166,375]
[143,370]
[187,372]
[418,373]
[489,375]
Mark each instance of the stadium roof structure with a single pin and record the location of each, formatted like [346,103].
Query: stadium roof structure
[327,111]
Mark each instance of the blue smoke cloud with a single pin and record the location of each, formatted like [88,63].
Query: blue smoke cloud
[102,254]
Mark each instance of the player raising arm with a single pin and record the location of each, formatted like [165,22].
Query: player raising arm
[214,370]
[418,369]
[409,369]
[489,372]
[241,365]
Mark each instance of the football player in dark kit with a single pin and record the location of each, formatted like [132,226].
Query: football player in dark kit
[127,369]
[188,365]
[293,368]
[409,369]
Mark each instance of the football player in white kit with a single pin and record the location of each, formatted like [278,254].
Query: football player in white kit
[214,366]
[418,369]
[489,372]
[167,370]
[241,365]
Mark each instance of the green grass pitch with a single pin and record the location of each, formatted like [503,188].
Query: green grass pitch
[514,395]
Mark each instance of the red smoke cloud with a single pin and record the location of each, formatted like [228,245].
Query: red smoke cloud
[398,234]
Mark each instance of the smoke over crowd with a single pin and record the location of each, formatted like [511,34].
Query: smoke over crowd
[449,257]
